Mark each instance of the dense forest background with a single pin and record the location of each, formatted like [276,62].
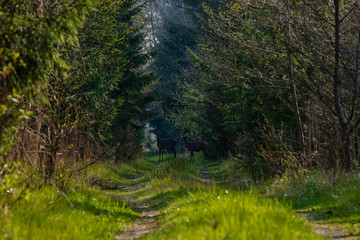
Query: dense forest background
[272,85]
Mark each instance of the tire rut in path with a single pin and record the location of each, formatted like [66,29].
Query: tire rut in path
[145,225]
[327,231]
[147,222]
[205,176]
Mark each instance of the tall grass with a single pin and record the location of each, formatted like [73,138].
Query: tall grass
[82,212]
[333,202]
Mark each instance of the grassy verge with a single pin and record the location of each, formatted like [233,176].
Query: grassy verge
[332,204]
[83,212]
[45,215]
[220,214]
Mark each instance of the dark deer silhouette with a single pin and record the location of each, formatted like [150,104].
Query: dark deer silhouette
[194,147]
[165,144]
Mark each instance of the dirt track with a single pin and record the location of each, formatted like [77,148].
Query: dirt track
[329,232]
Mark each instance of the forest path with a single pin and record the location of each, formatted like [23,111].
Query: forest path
[327,231]
[132,192]
[147,214]
[205,176]
[147,222]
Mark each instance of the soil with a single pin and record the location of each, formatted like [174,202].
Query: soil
[147,217]
[146,224]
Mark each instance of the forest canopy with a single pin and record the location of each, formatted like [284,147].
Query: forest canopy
[272,85]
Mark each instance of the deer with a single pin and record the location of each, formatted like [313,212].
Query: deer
[194,147]
[165,144]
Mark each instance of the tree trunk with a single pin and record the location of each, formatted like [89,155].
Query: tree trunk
[296,110]
[346,141]
[49,167]
[39,8]
[346,148]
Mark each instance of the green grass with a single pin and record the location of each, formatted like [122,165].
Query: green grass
[95,208]
[192,210]
[220,214]
[333,204]
[46,214]
[83,212]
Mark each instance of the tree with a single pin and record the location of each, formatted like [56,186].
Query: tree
[115,75]
[328,52]
[243,80]
[107,83]
[32,35]
[173,28]
[301,56]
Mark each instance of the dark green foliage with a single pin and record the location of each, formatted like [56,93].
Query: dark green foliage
[239,101]
[33,38]
[90,95]
[273,85]
[115,81]
[179,31]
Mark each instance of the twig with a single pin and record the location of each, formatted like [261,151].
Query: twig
[97,159]
[64,195]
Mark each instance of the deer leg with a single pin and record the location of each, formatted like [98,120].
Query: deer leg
[174,150]
[159,154]
[192,156]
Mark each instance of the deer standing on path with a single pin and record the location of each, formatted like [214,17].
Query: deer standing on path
[165,144]
[194,147]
